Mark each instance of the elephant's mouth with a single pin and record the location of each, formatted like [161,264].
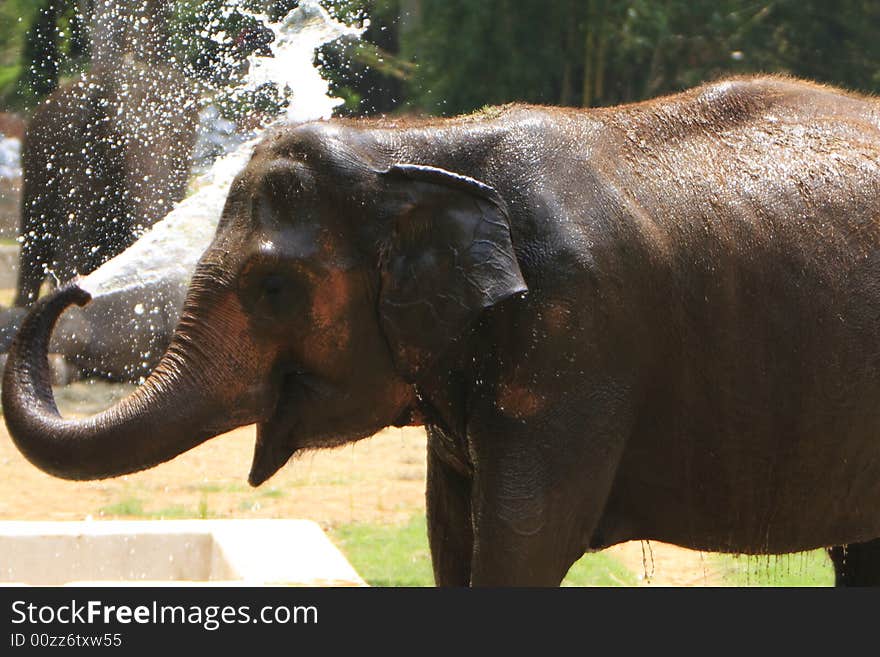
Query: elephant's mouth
[274,445]
[271,451]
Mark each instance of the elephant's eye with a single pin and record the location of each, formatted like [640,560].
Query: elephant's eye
[273,286]
[273,292]
[276,295]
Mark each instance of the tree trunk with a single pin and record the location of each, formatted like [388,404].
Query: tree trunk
[602,27]
[569,29]
[589,53]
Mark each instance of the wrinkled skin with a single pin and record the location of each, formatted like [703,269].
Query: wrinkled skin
[658,321]
[104,157]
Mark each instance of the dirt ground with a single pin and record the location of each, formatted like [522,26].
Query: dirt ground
[378,480]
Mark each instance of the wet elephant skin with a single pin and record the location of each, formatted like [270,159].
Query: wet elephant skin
[655,321]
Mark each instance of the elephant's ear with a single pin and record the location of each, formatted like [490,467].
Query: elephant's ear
[450,257]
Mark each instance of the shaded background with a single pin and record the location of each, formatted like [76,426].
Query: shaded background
[452,56]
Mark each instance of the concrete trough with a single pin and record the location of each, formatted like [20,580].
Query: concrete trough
[172,552]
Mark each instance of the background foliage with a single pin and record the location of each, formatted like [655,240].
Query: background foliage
[603,52]
[452,56]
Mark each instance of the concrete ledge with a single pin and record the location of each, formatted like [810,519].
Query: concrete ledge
[172,552]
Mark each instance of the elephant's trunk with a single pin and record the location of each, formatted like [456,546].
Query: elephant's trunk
[177,407]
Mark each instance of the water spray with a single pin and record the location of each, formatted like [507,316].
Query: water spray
[167,253]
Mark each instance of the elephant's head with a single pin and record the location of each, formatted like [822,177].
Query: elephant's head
[333,284]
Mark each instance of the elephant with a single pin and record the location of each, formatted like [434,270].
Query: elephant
[657,321]
[104,158]
[120,336]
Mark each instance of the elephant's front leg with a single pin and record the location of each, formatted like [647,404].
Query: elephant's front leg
[538,498]
[523,534]
[450,529]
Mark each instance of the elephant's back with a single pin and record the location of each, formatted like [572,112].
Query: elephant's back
[760,222]
[763,235]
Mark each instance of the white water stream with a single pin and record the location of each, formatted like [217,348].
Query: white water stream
[168,252]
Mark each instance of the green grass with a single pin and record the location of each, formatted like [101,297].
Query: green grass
[273,493]
[388,555]
[132,507]
[398,555]
[599,569]
[219,487]
[787,570]
[324,480]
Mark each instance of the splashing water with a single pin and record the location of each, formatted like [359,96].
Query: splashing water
[167,254]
